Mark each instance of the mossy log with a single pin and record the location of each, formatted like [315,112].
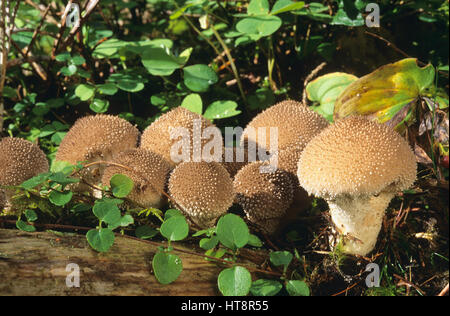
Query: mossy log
[35,264]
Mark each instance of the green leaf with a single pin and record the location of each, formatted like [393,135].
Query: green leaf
[348,14]
[107,88]
[25,227]
[263,287]
[281,258]
[171,213]
[30,215]
[101,210]
[175,228]
[282,6]
[108,48]
[160,62]
[199,77]
[9,92]
[385,92]
[221,109]
[167,267]
[121,185]
[258,7]
[100,240]
[254,241]
[128,80]
[232,231]
[126,220]
[209,243]
[84,92]
[297,288]
[259,26]
[145,232]
[62,178]
[60,198]
[35,181]
[193,102]
[113,218]
[324,91]
[235,281]
[99,105]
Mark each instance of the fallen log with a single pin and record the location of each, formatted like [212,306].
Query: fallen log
[35,264]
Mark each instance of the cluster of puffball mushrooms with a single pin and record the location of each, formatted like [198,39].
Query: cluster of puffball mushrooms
[356,165]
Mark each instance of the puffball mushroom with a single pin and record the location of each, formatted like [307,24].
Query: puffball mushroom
[20,160]
[264,196]
[157,137]
[204,190]
[96,138]
[149,172]
[297,125]
[357,166]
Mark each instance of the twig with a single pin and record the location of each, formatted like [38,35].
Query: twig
[409,284]
[308,79]
[444,291]
[347,289]
[89,8]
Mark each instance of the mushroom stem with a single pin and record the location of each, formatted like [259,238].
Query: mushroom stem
[358,221]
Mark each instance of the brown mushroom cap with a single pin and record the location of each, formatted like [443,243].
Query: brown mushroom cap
[264,197]
[98,137]
[20,160]
[156,137]
[149,174]
[202,189]
[296,123]
[356,157]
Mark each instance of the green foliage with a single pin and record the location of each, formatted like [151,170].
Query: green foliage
[121,185]
[235,281]
[167,267]
[225,60]
[232,231]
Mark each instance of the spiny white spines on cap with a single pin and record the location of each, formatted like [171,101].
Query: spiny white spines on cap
[296,123]
[264,197]
[356,157]
[157,138]
[203,189]
[98,137]
[20,160]
[149,174]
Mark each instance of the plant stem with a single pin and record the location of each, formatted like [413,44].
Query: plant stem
[230,59]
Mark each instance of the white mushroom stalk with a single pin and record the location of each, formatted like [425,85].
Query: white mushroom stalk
[357,166]
[358,221]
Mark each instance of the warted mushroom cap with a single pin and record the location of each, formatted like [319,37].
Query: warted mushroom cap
[202,189]
[157,138]
[98,137]
[265,197]
[356,157]
[20,160]
[149,174]
[296,123]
